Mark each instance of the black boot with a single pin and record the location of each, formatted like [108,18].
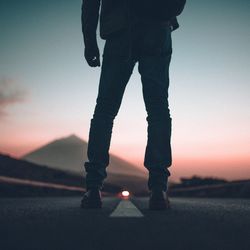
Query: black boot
[92,199]
[158,200]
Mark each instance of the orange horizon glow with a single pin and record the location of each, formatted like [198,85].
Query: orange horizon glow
[230,167]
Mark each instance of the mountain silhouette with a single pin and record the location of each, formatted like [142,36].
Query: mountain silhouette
[70,153]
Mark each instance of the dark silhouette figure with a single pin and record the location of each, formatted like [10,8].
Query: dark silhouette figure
[135,31]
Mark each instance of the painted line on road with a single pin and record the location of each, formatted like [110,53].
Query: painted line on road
[126,209]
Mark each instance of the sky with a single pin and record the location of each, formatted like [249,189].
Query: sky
[47,90]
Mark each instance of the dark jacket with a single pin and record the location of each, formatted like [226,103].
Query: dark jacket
[114,15]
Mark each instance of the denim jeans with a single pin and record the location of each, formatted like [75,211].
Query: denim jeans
[151,46]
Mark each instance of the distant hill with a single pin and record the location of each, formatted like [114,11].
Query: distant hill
[210,187]
[11,168]
[22,169]
[197,181]
[70,153]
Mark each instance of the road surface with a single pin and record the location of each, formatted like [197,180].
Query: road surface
[59,223]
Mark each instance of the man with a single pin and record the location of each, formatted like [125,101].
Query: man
[132,35]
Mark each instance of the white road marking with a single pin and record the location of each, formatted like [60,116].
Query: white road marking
[126,209]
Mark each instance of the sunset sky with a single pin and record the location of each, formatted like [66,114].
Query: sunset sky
[48,91]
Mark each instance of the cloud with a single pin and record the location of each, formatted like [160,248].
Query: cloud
[10,94]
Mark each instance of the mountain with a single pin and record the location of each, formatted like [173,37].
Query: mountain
[70,153]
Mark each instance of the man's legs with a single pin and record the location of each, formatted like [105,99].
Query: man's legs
[115,74]
[154,69]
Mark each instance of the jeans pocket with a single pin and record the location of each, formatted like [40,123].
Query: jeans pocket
[157,40]
[117,44]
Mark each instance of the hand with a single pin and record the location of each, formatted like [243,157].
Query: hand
[92,56]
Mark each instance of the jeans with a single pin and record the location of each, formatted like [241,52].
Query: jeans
[151,46]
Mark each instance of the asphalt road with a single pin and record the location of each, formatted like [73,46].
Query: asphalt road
[59,223]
